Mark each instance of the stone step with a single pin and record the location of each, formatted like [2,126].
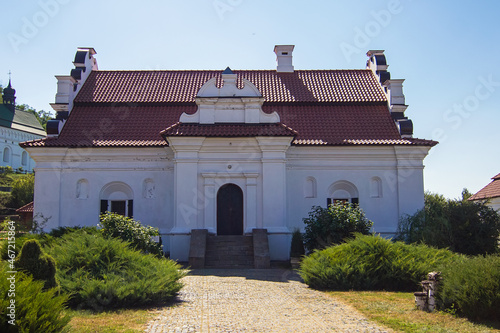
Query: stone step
[229,251]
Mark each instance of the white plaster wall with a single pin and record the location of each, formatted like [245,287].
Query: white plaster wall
[11,138]
[359,166]
[59,171]
[495,204]
[274,195]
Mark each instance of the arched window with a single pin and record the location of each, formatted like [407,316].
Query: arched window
[6,154]
[24,158]
[117,197]
[310,187]
[342,191]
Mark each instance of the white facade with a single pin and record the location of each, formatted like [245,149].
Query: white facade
[13,155]
[175,188]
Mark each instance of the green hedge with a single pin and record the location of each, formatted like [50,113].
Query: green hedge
[104,273]
[471,286]
[371,263]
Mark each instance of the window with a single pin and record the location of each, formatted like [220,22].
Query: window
[24,158]
[6,154]
[117,198]
[342,191]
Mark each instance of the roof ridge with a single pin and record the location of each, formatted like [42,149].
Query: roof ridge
[234,70]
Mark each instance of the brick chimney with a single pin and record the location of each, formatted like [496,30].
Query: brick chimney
[284,58]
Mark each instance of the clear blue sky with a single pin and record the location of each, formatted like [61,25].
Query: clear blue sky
[447,51]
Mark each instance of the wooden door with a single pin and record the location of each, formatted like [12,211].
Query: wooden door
[230,210]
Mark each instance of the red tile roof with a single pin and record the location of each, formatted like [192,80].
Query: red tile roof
[318,107]
[28,208]
[182,86]
[492,190]
[228,130]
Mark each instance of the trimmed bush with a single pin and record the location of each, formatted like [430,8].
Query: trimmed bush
[333,225]
[105,273]
[39,265]
[19,242]
[129,230]
[37,310]
[472,287]
[371,263]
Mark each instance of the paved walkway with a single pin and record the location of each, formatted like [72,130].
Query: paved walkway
[255,300]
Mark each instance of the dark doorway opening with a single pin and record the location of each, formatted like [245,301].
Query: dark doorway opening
[230,210]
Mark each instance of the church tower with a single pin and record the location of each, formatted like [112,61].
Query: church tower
[9,97]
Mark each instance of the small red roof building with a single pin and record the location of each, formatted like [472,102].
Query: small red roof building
[490,192]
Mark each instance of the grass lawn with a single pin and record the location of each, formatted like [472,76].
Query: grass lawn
[133,320]
[397,311]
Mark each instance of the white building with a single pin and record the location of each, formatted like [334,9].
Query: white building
[228,151]
[16,126]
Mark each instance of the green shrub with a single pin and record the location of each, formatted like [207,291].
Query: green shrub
[463,226]
[333,225]
[472,287]
[34,262]
[297,246]
[104,273]
[19,240]
[23,189]
[37,310]
[61,231]
[129,230]
[371,263]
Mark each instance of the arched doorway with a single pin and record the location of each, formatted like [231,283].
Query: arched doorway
[230,210]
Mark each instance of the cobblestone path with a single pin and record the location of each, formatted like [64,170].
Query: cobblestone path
[255,300]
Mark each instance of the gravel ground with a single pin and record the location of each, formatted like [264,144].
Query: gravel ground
[256,300]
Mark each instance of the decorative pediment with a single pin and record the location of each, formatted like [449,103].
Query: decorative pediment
[229,104]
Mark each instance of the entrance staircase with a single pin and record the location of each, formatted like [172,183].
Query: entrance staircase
[229,251]
[247,251]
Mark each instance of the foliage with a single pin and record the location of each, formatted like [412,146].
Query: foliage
[371,263]
[472,287]
[33,261]
[468,227]
[297,246]
[37,310]
[61,231]
[18,244]
[5,170]
[333,225]
[104,273]
[22,190]
[127,229]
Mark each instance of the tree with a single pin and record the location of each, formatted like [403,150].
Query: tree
[334,225]
[23,189]
[468,227]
